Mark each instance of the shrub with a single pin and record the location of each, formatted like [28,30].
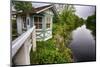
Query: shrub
[47,53]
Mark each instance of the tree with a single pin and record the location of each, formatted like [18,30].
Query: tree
[91,23]
[25,7]
[67,14]
[22,6]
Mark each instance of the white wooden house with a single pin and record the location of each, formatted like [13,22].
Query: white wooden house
[36,25]
[41,17]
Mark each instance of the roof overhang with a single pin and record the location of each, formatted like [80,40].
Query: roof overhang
[38,10]
[44,9]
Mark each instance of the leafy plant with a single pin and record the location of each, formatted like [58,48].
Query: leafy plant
[22,6]
[48,53]
[91,24]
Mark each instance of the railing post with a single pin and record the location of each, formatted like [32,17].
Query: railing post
[34,40]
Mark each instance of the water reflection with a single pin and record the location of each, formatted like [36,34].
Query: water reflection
[83,45]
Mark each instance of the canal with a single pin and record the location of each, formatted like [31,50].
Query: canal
[83,45]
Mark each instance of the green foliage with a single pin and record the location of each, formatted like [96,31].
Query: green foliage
[66,23]
[22,5]
[91,24]
[69,19]
[47,53]
[53,50]
[55,19]
[67,14]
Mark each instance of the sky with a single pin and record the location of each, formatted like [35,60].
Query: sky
[84,11]
[35,5]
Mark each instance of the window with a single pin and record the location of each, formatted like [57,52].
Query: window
[24,21]
[48,22]
[38,22]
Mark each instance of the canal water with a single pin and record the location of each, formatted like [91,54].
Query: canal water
[83,45]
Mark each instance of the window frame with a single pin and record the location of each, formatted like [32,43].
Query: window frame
[48,22]
[38,23]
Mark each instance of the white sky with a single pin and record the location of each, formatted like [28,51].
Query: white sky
[84,11]
[35,5]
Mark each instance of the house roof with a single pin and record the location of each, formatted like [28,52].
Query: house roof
[34,10]
[37,8]
[37,5]
[40,9]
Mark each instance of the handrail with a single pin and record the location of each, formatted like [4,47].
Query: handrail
[17,43]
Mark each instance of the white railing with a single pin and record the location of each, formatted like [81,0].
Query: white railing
[21,46]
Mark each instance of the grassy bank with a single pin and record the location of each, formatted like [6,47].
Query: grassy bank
[54,50]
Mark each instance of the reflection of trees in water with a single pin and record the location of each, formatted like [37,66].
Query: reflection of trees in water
[91,24]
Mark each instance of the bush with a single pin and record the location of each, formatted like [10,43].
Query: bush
[47,53]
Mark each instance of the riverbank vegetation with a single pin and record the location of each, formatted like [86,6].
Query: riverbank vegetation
[91,24]
[55,50]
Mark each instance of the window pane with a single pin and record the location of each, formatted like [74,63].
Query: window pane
[40,19]
[48,25]
[36,26]
[35,19]
[48,22]
[38,22]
